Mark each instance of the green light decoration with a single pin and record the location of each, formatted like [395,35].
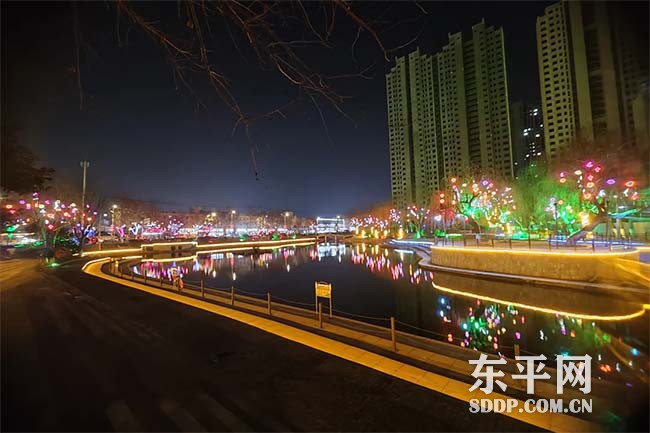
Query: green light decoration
[483,202]
[601,195]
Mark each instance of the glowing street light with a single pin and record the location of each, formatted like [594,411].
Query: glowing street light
[286,215]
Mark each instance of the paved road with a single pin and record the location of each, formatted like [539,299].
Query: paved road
[79,353]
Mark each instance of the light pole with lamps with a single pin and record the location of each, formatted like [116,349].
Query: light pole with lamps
[232,220]
[113,208]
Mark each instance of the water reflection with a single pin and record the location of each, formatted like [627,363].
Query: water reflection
[375,281]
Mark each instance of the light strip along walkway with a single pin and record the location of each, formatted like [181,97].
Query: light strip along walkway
[556,422]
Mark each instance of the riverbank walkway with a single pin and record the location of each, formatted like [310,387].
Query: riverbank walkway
[438,372]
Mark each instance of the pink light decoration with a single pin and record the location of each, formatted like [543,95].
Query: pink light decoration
[629,183]
[21,201]
[589,164]
[610,181]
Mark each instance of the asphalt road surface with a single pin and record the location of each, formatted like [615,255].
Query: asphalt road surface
[83,354]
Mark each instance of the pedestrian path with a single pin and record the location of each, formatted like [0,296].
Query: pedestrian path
[427,379]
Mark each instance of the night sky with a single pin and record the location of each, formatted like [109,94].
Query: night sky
[146,138]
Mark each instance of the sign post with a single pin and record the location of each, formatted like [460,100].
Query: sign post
[323,290]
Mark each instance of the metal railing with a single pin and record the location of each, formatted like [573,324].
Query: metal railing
[550,242]
[388,328]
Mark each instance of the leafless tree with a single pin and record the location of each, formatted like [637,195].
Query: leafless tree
[269,30]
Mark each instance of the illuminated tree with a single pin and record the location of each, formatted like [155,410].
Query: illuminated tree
[478,201]
[541,201]
[54,220]
[601,195]
[416,219]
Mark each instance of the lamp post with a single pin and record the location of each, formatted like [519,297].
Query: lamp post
[84,165]
[113,222]
[286,215]
[556,227]
[232,220]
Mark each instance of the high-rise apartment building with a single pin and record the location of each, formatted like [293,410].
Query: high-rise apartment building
[448,113]
[527,134]
[591,68]
[399,134]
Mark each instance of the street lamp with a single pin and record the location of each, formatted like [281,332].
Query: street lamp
[232,220]
[286,215]
[113,222]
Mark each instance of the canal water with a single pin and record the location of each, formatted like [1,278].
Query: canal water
[373,283]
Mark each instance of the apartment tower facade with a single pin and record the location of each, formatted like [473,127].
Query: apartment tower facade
[447,114]
[591,70]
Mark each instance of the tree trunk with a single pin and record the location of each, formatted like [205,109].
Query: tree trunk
[472,222]
[580,234]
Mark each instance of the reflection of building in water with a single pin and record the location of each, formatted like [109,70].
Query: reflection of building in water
[330,250]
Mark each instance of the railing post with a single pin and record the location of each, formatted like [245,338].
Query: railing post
[268,300]
[320,315]
[161,280]
[593,243]
[393,337]
[464,241]
[510,242]
[517,351]
[492,241]
[232,295]
[330,305]
[145,277]
[202,289]
[529,241]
